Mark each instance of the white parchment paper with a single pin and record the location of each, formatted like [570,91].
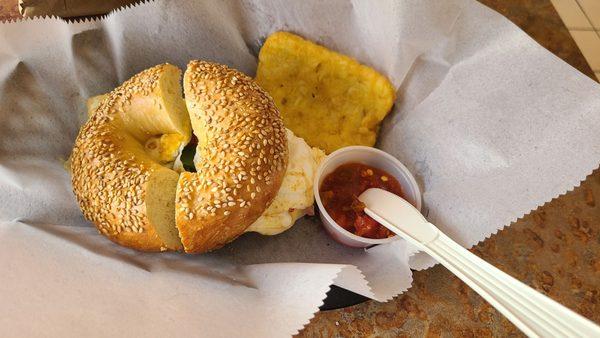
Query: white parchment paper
[491,124]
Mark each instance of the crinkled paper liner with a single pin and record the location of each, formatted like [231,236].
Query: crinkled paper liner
[423,47]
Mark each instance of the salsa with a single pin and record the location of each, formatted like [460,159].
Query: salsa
[339,194]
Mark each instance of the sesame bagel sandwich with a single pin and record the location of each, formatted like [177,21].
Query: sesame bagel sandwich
[248,173]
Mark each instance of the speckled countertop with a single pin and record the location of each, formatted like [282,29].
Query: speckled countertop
[555,249]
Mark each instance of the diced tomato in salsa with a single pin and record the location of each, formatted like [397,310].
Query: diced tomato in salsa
[339,194]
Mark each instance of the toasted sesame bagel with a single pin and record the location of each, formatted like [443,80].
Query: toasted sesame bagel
[120,187]
[241,156]
[121,160]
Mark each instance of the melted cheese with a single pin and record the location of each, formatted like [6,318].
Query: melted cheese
[295,197]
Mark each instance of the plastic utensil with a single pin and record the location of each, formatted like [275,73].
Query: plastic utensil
[533,313]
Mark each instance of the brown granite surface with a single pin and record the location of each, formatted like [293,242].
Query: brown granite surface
[8,10]
[556,249]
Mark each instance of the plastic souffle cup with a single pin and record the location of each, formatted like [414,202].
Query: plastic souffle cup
[372,157]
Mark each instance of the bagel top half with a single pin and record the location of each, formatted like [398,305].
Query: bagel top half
[127,191]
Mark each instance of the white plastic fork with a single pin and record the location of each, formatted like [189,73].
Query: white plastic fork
[532,312]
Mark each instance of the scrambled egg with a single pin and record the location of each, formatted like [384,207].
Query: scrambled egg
[164,148]
[295,197]
[327,98]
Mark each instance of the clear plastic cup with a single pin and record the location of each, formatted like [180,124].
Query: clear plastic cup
[375,158]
